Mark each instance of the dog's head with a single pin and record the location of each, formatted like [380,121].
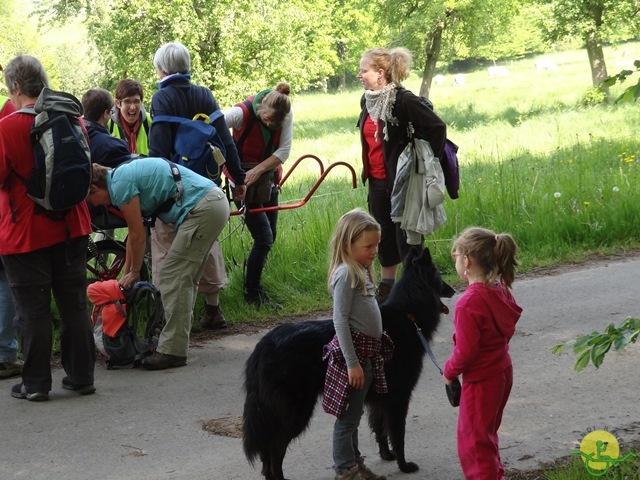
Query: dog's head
[420,284]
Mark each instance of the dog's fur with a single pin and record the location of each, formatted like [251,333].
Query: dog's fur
[285,373]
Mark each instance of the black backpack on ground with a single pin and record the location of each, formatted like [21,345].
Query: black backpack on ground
[138,336]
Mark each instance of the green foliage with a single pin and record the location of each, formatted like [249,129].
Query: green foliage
[594,96]
[631,93]
[236,47]
[594,347]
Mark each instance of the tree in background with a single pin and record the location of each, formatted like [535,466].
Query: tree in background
[237,47]
[432,28]
[592,20]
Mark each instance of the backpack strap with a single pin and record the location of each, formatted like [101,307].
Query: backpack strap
[199,116]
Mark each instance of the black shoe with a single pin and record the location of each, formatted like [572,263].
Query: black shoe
[160,361]
[260,299]
[79,389]
[213,318]
[20,391]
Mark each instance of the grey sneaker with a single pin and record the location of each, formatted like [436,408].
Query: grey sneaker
[213,318]
[20,391]
[11,369]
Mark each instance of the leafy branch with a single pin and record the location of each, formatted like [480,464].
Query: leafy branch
[595,346]
[631,93]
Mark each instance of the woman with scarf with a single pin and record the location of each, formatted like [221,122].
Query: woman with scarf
[262,130]
[390,115]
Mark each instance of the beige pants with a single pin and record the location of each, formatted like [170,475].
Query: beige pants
[214,275]
[182,267]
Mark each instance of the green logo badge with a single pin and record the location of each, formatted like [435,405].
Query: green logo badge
[600,451]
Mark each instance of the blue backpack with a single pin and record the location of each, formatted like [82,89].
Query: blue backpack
[198,145]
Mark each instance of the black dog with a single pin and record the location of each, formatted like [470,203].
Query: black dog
[285,373]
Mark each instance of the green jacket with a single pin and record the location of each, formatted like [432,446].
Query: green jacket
[142,139]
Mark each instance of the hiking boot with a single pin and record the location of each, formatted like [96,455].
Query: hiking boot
[79,389]
[20,391]
[10,369]
[383,293]
[367,474]
[213,318]
[260,299]
[160,361]
[351,474]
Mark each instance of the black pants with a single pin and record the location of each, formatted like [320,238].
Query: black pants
[393,247]
[263,228]
[33,276]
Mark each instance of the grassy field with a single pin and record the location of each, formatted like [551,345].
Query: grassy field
[537,161]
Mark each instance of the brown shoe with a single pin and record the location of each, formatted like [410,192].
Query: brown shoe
[213,318]
[367,474]
[383,293]
[351,474]
[160,361]
[11,369]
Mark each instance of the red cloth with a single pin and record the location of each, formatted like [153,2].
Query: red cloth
[107,296]
[29,232]
[6,107]
[337,390]
[374,150]
[484,321]
[481,407]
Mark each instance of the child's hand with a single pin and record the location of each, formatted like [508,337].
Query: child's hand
[447,381]
[356,377]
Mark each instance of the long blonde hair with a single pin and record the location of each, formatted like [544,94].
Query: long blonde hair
[495,254]
[348,229]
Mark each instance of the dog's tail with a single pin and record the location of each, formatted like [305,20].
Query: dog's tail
[252,427]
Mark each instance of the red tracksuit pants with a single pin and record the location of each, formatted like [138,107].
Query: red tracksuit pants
[480,415]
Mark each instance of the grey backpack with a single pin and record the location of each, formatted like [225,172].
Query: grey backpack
[61,176]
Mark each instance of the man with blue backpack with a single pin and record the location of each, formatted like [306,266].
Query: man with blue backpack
[201,146]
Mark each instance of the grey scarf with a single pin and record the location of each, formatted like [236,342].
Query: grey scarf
[380,105]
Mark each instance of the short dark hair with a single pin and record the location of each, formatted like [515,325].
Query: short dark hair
[129,88]
[95,102]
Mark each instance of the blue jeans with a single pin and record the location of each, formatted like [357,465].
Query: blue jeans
[263,228]
[8,342]
[33,276]
[345,430]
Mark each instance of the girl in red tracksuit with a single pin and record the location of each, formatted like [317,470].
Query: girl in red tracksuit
[484,321]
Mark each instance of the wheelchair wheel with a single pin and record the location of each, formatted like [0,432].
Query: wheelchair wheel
[106,259]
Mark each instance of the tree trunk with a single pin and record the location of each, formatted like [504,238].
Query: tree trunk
[596,60]
[432,47]
[594,51]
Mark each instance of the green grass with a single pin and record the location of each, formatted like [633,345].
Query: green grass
[536,161]
[573,468]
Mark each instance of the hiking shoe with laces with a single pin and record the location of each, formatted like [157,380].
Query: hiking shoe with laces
[20,391]
[10,369]
[260,299]
[213,318]
[366,473]
[79,389]
[160,361]
[351,474]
